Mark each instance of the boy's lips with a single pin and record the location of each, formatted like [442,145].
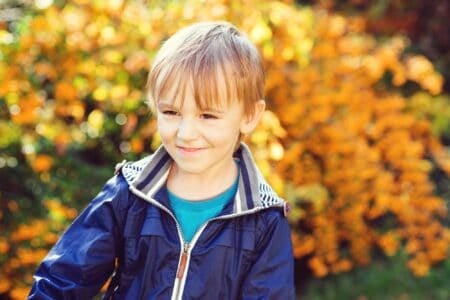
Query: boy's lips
[189,149]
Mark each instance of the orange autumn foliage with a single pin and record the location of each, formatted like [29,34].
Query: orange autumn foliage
[42,163]
[359,143]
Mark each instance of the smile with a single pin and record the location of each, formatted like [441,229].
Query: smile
[188,149]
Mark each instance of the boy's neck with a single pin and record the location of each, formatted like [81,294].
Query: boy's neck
[199,187]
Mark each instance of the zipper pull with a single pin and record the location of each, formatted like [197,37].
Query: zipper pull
[183,260]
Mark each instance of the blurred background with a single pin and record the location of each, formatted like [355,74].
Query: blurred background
[356,137]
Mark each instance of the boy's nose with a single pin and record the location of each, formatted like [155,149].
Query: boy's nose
[187,129]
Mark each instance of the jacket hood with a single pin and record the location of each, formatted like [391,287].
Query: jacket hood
[146,176]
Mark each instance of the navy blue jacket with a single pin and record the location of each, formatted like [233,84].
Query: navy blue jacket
[128,233]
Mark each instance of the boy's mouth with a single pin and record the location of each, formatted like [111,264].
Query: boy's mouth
[188,149]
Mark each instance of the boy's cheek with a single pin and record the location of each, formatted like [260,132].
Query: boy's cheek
[166,127]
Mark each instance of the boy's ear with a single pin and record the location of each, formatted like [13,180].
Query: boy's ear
[249,123]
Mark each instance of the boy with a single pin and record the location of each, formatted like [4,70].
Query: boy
[195,220]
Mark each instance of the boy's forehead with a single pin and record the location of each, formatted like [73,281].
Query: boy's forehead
[217,94]
[188,99]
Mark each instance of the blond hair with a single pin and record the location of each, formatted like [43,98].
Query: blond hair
[206,57]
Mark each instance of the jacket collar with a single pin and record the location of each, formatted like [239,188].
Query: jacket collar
[147,176]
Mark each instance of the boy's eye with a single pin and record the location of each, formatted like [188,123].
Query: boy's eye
[170,112]
[208,116]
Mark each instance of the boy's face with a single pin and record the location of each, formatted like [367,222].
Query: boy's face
[201,142]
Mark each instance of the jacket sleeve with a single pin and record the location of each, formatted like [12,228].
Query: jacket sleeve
[84,256]
[272,274]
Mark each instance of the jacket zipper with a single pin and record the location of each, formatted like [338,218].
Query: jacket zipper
[183,260]
[183,266]
[184,256]
[185,253]
[185,247]
[179,282]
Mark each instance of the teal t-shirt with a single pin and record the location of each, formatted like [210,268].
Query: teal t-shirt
[192,214]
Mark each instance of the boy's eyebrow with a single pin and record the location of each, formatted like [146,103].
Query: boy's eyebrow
[213,110]
[167,105]
[161,105]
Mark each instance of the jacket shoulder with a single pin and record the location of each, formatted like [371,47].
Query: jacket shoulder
[131,169]
[269,198]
